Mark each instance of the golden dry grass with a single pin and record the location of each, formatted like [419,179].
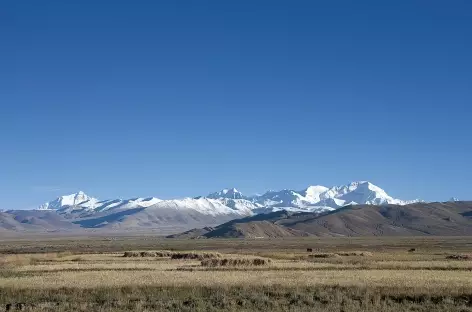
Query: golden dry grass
[116,262]
[427,280]
[105,270]
[383,275]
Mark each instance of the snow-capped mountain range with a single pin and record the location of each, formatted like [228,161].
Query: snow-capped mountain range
[232,202]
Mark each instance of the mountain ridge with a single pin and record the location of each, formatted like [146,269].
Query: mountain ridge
[84,211]
[315,197]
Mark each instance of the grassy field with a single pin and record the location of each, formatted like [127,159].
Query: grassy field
[340,274]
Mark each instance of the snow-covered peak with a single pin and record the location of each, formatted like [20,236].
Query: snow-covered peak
[82,202]
[227,193]
[360,192]
[76,199]
[453,199]
[314,192]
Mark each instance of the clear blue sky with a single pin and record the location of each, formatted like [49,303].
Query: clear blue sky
[181,98]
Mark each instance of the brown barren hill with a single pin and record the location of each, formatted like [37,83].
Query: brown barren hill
[447,219]
[452,218]
[193,233]
[254,229]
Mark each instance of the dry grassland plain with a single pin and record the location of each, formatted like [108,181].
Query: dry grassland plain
[339,274]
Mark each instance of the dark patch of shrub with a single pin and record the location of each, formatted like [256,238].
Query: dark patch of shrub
[355,253]
[129,254]
[159,254]
[324,255]
[194,255]
[459,257]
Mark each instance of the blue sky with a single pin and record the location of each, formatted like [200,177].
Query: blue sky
[181,98]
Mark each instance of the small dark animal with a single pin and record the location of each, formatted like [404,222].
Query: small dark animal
[412,250]
[309,250]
